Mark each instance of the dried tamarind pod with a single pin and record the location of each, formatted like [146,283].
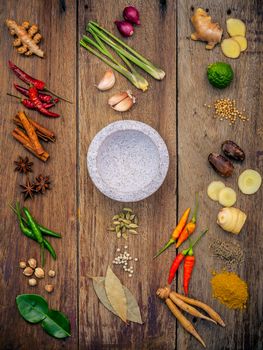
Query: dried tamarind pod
[232,150]
[221,165]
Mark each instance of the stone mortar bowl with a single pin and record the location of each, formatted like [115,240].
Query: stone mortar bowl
[127,161]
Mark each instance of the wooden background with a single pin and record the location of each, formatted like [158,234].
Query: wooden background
[74,207]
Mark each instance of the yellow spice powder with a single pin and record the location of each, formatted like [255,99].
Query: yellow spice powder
[230,289]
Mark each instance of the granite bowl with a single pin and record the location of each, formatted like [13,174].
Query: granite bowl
[127,160]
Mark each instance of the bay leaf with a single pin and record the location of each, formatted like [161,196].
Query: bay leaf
[133,310]
[115,294]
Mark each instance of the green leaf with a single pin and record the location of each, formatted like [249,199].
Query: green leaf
[56,324]
[33,308]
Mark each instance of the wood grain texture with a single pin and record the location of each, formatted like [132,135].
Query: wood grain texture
[99,329]
[200,134]
[74,207]
[57,209]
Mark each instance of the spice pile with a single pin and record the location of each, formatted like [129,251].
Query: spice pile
[229,252]
[125,259]
[124,223]
[39,273]
[225,108]
[230,290]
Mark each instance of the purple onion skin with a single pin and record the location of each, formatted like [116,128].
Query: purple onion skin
[125,28]
[131,14]
[221,165]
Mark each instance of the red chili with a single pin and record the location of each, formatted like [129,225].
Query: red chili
[180,257]
[188,269]
[175,265]
[29,104]
[33,95]
[40,85]
[43,97]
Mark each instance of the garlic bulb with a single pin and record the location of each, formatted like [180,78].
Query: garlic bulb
[122,101]
[231,219]
[107,81]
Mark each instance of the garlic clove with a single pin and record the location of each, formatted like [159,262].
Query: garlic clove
[125,104]
[107,81]
[113,100]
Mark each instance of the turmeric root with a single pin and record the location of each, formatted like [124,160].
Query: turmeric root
[26,38]
[205,29]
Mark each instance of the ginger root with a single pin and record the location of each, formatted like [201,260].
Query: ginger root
[26,38]
[205,29]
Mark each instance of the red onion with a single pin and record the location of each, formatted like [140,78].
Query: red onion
[125,28]
[131,14]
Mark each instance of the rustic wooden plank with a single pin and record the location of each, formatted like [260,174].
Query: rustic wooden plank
[200,134]
[57,209]
[98,327]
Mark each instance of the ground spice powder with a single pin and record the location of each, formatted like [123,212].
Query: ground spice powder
[230,289]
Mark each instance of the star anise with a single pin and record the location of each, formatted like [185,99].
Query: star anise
[42,184]
[28,189]
[23,165]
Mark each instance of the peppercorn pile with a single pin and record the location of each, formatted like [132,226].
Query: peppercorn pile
[230,253]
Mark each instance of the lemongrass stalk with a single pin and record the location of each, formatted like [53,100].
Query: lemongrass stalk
[146,67]
[122,70]
[156,72]
[141,82]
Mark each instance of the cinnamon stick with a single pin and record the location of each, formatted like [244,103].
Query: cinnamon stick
[31,133]
[25,141]
[42,132]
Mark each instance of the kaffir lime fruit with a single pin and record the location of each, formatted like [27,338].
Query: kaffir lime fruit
[220,74]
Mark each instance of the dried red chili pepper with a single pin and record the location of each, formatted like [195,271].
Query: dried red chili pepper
[43,97]
[38,84]
[29,104]
[33,95]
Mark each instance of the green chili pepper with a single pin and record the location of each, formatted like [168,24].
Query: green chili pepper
[51,250]
[28,233]
[33,225]
[45,231]
[36,231]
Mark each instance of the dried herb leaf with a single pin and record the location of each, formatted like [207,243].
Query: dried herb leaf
[115,294]
[133,311]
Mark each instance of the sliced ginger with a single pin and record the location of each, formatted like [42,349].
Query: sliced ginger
[26,38]
[242,42]
[231,48]
[249,181]
[205,29]
[227,197]
[214,189]
[235,27]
